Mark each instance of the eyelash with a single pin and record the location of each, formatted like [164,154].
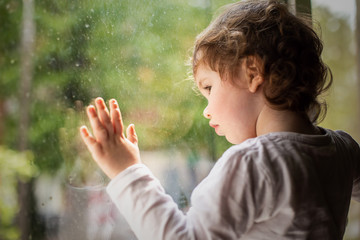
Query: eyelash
[208,88]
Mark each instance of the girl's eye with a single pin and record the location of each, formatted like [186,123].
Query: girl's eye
[208,89]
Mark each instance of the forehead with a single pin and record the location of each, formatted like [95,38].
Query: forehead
[205,73]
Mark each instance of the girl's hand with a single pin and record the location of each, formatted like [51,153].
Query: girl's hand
[109,147]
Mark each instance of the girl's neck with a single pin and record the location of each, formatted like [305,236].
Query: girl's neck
[272,120]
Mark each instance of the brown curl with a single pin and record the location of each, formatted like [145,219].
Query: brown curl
[287,46]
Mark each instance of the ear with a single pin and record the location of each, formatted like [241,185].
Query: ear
[253,72]
[255,83]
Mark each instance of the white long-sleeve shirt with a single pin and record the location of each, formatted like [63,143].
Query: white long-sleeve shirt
[276,186]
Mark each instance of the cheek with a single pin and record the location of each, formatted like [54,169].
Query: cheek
[216,103]
[243,116]
[240,108]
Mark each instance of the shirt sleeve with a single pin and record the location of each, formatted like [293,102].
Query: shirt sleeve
[150,212]
[356,190]
[352,154]
[356,179]
[224,205]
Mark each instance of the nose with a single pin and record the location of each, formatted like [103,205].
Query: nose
[206,113]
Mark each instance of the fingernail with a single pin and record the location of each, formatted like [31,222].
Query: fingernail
[100,102]
[84,131]
[92,111]
[114,103]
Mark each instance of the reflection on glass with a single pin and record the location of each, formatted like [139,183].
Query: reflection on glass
[87,210]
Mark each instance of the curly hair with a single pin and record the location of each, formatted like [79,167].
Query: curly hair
[287,46]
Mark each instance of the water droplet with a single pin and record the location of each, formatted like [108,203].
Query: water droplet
[87,25]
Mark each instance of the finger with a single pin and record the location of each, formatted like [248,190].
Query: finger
[104,115]
[131,134]
[90,142]
[99,130]
[116,118]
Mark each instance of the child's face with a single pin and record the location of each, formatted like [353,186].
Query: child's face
[232,110]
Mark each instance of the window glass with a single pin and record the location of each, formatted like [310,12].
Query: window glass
[57,56]
[337,22]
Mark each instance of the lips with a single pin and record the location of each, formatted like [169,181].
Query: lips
[216,127]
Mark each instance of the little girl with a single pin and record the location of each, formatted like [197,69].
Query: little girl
[260,69]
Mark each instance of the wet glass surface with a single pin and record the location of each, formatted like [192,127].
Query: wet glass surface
[57,56]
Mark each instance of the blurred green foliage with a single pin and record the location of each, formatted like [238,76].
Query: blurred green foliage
[340,55]
[134,51]
[13,166]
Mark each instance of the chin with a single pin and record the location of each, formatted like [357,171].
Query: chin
[237,140]
[233,141]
